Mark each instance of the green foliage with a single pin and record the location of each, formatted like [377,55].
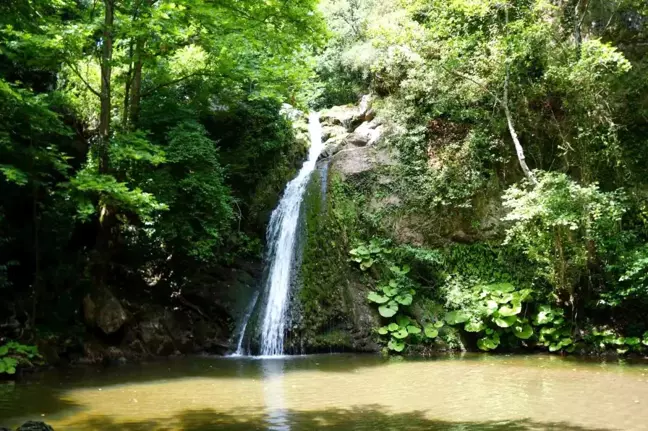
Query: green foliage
[13,355]
[561,225]
[367,254]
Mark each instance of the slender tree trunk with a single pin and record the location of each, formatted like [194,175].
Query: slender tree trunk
[106,216]
[106,93]
[36,248]
[579,16]
[127,87]
[136,90]
[509,120]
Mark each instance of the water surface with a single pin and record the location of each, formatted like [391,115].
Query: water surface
[338,392]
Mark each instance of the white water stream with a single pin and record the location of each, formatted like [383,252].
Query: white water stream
[282,243]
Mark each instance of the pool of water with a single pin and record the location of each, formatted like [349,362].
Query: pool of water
[338,392]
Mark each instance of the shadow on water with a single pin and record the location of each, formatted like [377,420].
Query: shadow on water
[46,393]
[367,418]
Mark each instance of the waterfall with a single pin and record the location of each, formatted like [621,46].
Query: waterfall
[281,244]
[240,351]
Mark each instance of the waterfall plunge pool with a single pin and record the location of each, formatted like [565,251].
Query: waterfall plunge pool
[341,392]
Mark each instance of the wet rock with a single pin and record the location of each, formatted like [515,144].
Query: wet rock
[35,426]
[103,310]
[333,132]
[333,146]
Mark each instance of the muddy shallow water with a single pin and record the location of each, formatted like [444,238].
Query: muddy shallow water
[338,392]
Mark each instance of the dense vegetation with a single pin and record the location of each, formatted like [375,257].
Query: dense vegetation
[143,142]
[519,132]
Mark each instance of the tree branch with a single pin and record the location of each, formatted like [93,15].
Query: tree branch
[77,73]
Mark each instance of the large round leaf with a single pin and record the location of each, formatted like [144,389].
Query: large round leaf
[403,320]
[455,317]
[430,331]
[390,290]
[474,326]
[401,333]
[504,299]
[632,341]
[505,322]
[514,309]
[499,288]
[405,299]
[413,329]
[488,343]
[491,307]
[396,346]
[377,298]
[383,330]
[389,309]
[393,327]
[523,332]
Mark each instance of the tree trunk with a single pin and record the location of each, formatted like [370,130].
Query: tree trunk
[106,75]
[509,120]
[101,258]
[579,16]
[127,87]
[136,89]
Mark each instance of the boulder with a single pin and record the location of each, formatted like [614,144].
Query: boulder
[345,116]
[333,146]
[364,135]
[331,132]
[103,310]
[35,426]
[364,107]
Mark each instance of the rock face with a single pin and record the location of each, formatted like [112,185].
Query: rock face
[104,311]
[35,426]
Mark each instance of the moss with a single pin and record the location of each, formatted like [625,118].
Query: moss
[326,320]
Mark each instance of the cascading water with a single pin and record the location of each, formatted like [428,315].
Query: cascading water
[240,351]
[282,242]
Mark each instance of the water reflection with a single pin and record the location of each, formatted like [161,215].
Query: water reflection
[338,393]
[273,394]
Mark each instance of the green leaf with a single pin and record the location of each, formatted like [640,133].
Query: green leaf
[511,311]
[413,329]
[430,331]
[401,333]
[403,321]
[488,343]
[405,299]
[4,350]
[383,330]
[500,287]
[632,341]
[395,345]
[377,298]
[491,307]
[390,290]
[523,332]
[455,317]
[474,326]
[393,327]
[439,324]
[366,264]
[505,322]
[389,309]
